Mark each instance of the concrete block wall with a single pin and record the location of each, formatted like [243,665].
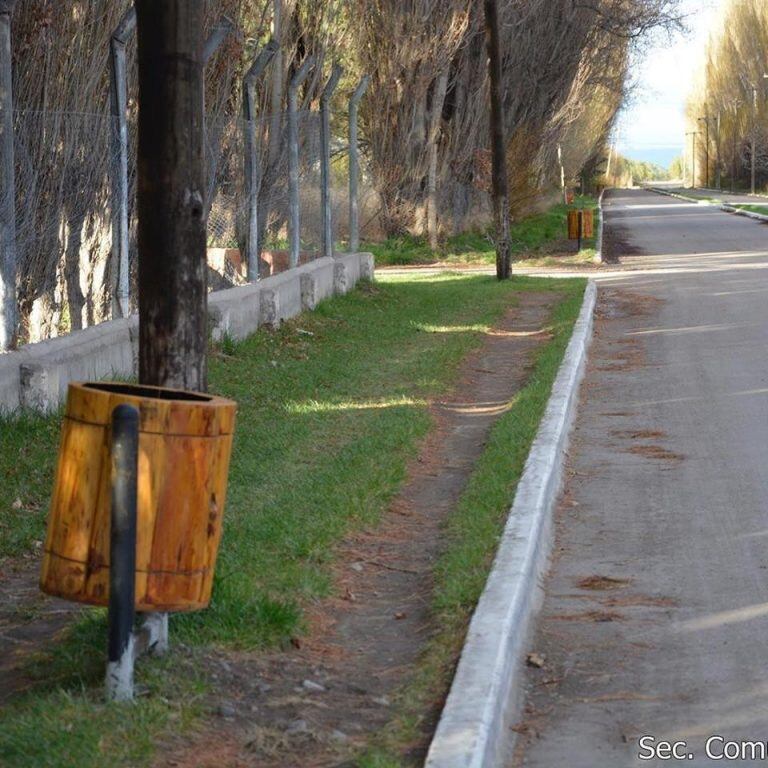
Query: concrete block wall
[37,375]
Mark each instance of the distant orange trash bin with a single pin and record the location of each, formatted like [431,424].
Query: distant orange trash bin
[185,442]
[573,225]
[587,224]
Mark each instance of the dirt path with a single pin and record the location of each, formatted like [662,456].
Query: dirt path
[28,620]
[314,705]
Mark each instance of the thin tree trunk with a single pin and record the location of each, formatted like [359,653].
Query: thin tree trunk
[436,113]
[9,264]
[171,183]
[498,143]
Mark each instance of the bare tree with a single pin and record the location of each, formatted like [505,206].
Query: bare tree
[498,143]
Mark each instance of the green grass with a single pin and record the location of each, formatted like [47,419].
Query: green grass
[703,197]
[28,446]
[529,236]
[472,535]
[332,407]
[753,208]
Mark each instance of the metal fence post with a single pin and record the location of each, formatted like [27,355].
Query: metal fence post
[251,157]
[354,165]
[216,37]
[119,104]
[223,27]
[325,158]
[9,308]
[122,553]
[294,231]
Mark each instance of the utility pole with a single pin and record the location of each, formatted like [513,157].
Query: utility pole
[753,172]
[718,170]
[693,135]
[685,166]
[733,107]
[706,149]
[173,329]
[498,143]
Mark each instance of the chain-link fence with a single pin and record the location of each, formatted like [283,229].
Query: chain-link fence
[65,176]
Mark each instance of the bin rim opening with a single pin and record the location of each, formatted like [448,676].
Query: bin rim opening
[149,392]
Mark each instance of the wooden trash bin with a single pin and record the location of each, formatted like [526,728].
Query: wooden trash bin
[587,223]
[185,441]
[573,225]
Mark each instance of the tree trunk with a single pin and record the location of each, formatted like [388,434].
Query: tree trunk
[9,266]
[498,143]
[438,99]
[173,330]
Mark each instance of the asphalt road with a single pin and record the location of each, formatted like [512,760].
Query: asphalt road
[655,619]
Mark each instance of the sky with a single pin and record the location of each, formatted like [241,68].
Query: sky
[653,127]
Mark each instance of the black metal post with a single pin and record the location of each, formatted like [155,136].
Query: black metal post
[581,228]
[122,553]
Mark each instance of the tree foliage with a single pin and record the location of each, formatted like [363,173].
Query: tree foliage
[731,96]
[424,119]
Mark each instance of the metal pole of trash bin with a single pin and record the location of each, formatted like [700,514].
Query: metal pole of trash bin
[122,553]
[581,228]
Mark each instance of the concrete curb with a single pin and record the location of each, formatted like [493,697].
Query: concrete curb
[725,207]
[666,192]
[740,212]
[485,697]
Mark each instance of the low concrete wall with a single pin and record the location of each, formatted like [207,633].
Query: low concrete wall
[37,375]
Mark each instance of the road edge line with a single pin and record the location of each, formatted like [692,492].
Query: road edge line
[486,694]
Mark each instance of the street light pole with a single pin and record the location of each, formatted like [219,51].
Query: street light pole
[693,135]
[706,149]
[719,167]
[754,139]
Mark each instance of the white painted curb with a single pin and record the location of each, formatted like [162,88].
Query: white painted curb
[485,696]
[725,207]
[741,212]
